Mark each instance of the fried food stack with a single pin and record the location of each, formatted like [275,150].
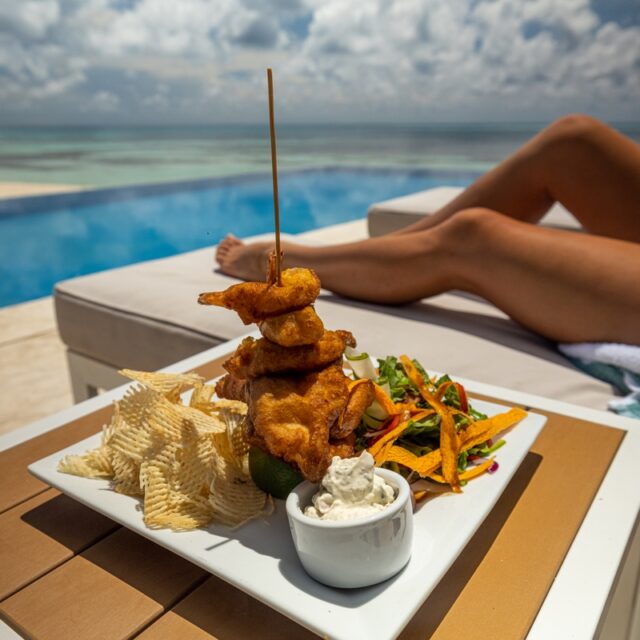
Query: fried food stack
[301,406]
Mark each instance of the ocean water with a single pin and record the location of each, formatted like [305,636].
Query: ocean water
[127,155]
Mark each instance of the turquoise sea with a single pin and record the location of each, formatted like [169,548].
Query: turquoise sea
[99,156]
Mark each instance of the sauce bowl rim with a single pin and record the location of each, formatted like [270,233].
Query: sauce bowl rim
[295,510]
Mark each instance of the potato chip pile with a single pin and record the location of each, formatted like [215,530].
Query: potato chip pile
[188,462]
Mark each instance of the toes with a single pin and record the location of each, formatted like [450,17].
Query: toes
[232,241]
[224,246]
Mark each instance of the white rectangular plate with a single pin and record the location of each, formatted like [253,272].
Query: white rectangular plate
[259,558]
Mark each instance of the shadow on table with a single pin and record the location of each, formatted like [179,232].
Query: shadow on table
[68,522]
[435,608]
[221,611]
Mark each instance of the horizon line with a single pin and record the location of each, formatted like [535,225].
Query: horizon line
[146,125]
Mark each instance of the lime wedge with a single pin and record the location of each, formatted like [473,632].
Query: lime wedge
[272,475]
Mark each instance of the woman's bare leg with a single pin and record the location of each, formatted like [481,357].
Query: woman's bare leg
[588,167]
[566,286]
[563,285]
[593,170]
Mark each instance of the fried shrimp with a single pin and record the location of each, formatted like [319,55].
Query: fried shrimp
[231,388]
[302,408]
[291,414]
[293,329]
[255,358]
[360,397]
[256,301]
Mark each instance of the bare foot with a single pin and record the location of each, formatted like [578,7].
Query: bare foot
[245,261]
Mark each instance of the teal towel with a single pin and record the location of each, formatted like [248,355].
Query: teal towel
[605,362]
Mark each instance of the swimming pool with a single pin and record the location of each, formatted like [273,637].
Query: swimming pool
[50,238]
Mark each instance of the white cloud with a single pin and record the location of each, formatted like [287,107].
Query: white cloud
[379,59]
[29,18]
[419,56]
[191,28]
[105,101]
[158,100]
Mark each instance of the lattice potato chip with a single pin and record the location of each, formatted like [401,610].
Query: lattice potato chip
[234,497]
[95,464]
[170,385]
[188,462]
[201,398]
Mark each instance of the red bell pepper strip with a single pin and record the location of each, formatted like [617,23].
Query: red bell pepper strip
[392,425]
[462,394]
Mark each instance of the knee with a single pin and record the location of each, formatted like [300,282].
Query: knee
[476,219]
[472,224]
[573,129]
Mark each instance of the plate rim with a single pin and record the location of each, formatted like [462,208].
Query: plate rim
[42,469]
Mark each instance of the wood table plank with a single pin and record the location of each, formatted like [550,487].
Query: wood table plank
[42,533]
[218,610]
[17,483]
[503,575]
[212,369]
[109,592]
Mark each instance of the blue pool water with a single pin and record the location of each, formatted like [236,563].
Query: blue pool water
[47,239]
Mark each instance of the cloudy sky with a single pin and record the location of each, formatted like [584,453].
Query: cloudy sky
[203,61]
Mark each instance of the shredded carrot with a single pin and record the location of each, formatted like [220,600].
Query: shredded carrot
[378,448]
[452,442]
[385,401]
[469,474]
[449,442]
[390,436]
[450,447]
[418,381]
[478,470]
[429,463]
[409,407]
[442,389]
[424,465]
[482,430]
[390,425]
[352,384]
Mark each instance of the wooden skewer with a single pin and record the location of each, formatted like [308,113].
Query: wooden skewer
[274,175]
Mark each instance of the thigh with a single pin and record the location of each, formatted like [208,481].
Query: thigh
[594,171]
[567,286]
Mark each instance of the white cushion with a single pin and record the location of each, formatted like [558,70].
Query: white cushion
[396,213]
[146,316]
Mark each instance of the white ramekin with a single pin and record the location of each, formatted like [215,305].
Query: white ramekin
[353,553]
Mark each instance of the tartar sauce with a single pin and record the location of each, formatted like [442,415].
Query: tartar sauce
[350,489]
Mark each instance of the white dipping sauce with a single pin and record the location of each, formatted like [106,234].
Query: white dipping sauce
[350,489]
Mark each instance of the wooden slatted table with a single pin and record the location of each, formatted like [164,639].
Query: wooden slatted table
[68,572]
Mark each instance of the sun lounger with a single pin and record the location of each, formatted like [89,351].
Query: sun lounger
[392,215]
[145,316]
